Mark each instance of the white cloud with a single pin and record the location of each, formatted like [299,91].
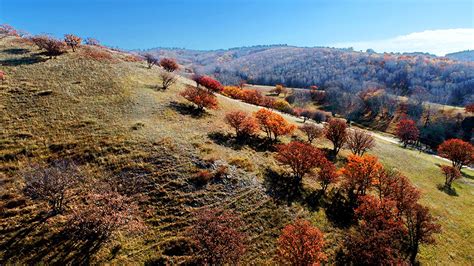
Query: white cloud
[438,42]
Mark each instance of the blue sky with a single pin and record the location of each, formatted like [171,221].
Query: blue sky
[213,24]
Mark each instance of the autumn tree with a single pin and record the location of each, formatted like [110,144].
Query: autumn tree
[209,83]
[273,124]
[151,60]
[311,131]
[2,75]
[7,30]
[72,41]
[458,151]
[451,173]
[278,89]
[336,131]
[51,184]
[358,141]
[359,174]
[169,64]
[218,237]
[243,124]
[52,46]
[201,98]
[407,131]
[327,174]
[469,108]
[300,243]
[300,157]
[376,239]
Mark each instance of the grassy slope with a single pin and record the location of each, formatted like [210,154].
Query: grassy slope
[93,107]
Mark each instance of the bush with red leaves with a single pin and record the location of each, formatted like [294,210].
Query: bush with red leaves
[217,236]
[209,83]
[201,98]
[243,124]
[52,46]
[169,64]
[300,243]
[407,131]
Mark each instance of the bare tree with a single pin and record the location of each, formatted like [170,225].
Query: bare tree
[151,60]
[312,131]
[359,141]
[51,183]
[167,79]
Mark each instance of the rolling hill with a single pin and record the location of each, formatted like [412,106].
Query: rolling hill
[108,115]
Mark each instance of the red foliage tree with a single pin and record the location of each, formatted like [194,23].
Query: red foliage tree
[311,131]
[336,131]
[243,124]
[376,240]
[360,173]
[2,75]
[252,97]
[458,151]
[209,83]
[273,124]
[470,108]
[169,64]
[8,30]
[407,131]
[201,98]
[72,41]
[451,173]
[327,174]
[52,46]
[359,141]
[300,157]
[217,236]
[300,243]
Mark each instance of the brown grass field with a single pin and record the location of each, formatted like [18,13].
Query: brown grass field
[110,117]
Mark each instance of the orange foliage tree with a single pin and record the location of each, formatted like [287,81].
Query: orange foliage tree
[300,157]
[201,98]
[458,151]
[336,131]
[327,174]
[273,124]
[72,41]
[360,173]
[243,124]
[300,243]
[407,131]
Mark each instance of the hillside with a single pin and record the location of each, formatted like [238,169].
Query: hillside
[109,117]
[467,56]
[438,79]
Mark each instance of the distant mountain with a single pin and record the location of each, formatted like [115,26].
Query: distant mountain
[467,55]
[436,79]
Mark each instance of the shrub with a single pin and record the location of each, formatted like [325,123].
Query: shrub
[407,131]
[8,30]
[96,53]
[92,41]
[282,106]
[336,131]
[319,116]
[252,96]
[232,91]
[300,157]
[359,141]
[272,123]
[167,79]
[469,108]
[243,124]
[52,46]
[201,98]
[216,234]
[451,173]
[151,60]
[203,177]
[458,151]
[209,83]
[51,184]
[72,41]
[300,244]
[311,131]
[2,75]
[169,64]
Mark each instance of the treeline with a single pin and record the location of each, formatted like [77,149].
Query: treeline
[436,79]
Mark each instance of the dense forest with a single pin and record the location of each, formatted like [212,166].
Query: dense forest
[436,79]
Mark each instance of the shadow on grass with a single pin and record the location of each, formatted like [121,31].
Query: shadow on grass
[16,51]
[23,61]
[340,211]
[254,142]
[281,187]
[33,244]
[187,109]
[466,175]
[450,191]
